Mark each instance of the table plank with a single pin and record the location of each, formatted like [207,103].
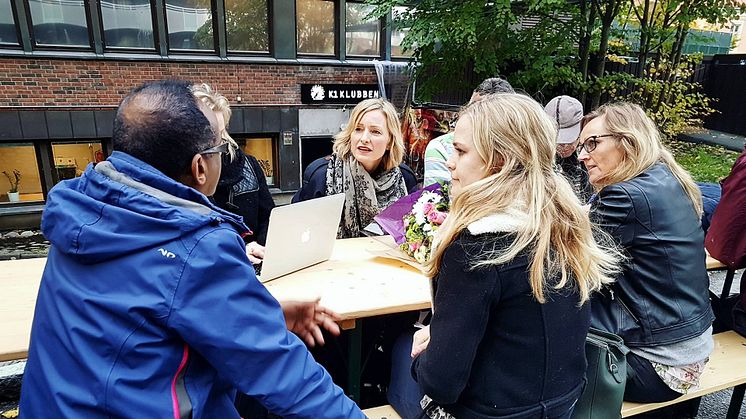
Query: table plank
[353,282]
[19,284]
[357,283]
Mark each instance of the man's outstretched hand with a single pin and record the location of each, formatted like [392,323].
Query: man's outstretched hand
[307,318]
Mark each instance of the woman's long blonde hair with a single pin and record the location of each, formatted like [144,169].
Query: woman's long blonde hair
[516,140]
[218,103]
[640,142]
[343,140]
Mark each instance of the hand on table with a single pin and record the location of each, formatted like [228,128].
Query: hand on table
[306,318]
[255,252]
[420,340]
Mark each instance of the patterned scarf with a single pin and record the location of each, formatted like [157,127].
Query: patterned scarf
[365,196]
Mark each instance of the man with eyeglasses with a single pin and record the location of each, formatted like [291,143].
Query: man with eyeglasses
[148,305]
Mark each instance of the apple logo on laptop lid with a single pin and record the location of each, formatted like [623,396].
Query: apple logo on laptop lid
[306,236]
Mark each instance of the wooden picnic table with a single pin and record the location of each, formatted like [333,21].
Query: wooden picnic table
[356,282]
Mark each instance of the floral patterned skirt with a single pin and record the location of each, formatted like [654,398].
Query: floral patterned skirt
[432,410]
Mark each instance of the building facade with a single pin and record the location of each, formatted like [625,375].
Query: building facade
[292,69]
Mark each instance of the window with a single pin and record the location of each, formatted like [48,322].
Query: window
[59,22]
[127,23]
[71,159]
[18,160]
[263,150]
[189,24]
[362,33]
[398,33]
[315,26]
[8,34]
[246,25]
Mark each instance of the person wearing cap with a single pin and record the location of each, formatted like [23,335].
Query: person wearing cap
[440,149]
[567,113]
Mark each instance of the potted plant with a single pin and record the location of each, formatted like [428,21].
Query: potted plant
[268,172]
[14,180]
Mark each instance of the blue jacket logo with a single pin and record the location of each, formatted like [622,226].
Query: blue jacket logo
[166,253]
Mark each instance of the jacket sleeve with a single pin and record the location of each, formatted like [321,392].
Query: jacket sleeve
[462,304]
[222,311]
[410,180]
[726,238]
[265,204]
[613,212]
[314,181]
[436,156]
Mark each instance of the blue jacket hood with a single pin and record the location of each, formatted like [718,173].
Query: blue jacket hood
[156,209]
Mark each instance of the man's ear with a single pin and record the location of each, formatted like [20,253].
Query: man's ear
[198,170]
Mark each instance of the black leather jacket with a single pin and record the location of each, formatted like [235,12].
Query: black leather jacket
[661,296]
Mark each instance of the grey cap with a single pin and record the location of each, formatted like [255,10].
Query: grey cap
[567,112]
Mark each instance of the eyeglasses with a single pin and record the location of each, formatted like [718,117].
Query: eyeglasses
[591,143]
[221,148]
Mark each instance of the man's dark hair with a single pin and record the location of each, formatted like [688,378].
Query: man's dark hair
[493,85]
[161,124]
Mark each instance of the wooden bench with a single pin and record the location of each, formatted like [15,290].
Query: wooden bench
[381,412]
[727,368]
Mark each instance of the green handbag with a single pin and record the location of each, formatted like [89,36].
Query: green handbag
[606,377]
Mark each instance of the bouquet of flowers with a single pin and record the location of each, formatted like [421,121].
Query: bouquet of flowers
[413,220]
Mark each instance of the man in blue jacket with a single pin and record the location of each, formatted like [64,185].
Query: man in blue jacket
[149,306]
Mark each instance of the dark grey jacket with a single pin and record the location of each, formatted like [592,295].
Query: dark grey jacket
[661,297]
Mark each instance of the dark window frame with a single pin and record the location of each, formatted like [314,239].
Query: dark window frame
[98,50]
[60,47]
[337,33]
[270,39]
[381,36]
[54,177]
[16,26]
[181,51]
[274,137]
[153,21]
[38,151]
[391,46]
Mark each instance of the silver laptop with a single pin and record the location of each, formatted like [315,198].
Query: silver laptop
[300,235]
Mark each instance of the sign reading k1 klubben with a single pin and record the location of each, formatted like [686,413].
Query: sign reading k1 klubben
[347,94]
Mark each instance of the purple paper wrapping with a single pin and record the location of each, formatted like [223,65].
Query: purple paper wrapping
[391,219]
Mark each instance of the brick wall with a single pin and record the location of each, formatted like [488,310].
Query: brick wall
[36,82]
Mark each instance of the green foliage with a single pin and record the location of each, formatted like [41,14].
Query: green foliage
[246,27]
[675,104]
[704,162]
[448,38]
[547,47]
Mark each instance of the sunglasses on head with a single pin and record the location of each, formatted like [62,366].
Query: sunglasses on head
[221,148]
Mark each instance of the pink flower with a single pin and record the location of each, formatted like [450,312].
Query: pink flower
[428,208]
[437,217]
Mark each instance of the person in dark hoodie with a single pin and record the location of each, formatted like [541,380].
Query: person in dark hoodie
[148,305]
[567,112]
[242,188]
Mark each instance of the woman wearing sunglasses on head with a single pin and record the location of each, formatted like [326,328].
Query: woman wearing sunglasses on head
[651,207]
[366,165]
[242,188]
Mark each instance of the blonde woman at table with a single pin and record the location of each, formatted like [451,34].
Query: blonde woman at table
[659,303]
[366,165]
[513,268]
